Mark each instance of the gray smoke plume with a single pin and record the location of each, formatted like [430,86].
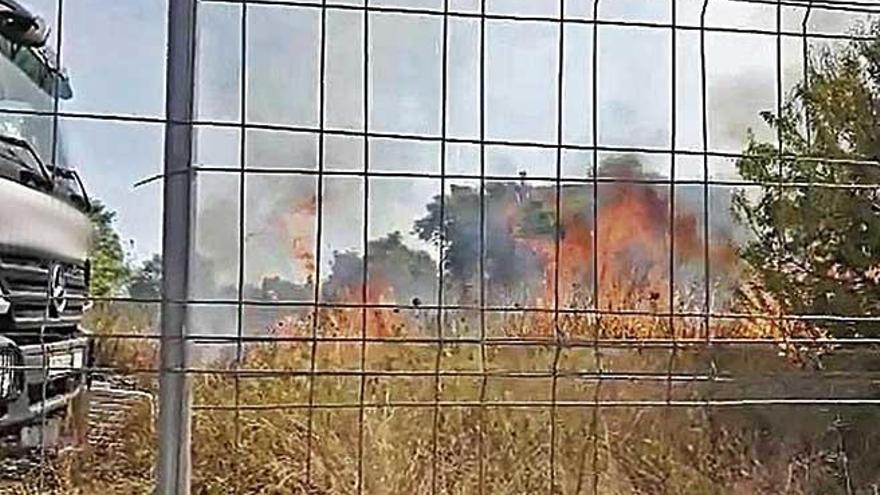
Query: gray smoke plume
[282,87]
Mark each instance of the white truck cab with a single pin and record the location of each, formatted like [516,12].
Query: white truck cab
[45,235]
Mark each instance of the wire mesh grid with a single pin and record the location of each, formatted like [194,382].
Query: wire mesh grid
[574,375]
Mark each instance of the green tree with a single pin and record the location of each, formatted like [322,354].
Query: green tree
[514,212]
[391,264]
[817,248]
[109,269]
[145,281]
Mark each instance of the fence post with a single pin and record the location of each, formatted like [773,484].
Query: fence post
[175,397]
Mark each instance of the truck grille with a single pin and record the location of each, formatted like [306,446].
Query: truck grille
[26,283]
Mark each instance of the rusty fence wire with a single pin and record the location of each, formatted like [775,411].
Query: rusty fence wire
[580,323]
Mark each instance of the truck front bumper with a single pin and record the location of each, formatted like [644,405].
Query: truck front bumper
[54,374]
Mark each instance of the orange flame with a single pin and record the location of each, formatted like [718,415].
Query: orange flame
[633,246]
[299,225]
[380,322]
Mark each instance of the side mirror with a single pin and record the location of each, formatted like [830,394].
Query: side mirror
[21,27]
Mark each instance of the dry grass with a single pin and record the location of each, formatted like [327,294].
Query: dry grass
[406,449]
[117,325]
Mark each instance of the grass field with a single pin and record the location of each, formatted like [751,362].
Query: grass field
[487,419]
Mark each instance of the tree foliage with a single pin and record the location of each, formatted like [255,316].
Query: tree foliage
[506,263]
[391,265]
[108,266]
[145,281]
[816,247]
[517,217]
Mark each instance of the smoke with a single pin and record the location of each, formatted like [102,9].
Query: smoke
[635,229]
[743,69]
[282,86]
[395,273]
[734,106]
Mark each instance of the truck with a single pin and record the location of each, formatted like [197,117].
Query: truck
[45,237]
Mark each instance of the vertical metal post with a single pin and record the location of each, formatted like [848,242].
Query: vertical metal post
[173,465]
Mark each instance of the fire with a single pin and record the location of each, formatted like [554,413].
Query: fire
[380,322]
[633,245]
[630,245]
[635,241]
[299,225]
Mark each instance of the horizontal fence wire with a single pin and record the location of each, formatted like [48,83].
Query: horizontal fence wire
[826,5]
[698,358]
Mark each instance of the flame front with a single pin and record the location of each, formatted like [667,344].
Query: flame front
[628,242]
[299,227]
[632,244]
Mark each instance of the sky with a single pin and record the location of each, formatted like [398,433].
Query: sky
[114,53]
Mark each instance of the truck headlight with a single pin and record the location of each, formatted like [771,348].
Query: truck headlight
[10,360]
[4,304]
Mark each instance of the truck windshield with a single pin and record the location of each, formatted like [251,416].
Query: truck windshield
[28,137]
[25,143]
[18,123]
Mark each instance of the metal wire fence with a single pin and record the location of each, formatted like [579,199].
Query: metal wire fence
[580,326]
